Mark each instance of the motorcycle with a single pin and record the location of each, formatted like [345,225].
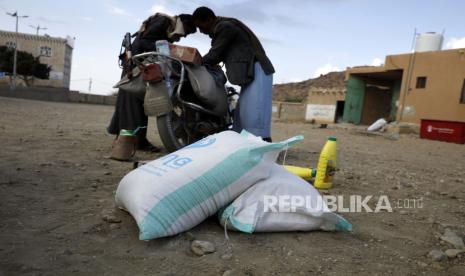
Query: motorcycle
[187,101]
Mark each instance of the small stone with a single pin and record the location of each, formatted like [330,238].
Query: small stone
[437,266]
[227,256]
[437,255]
[452,253]
[406,184]
[107,173]
[67,252]
[189,236]
[201,248]
[115,226]
[394,137]
[110,217]
[229,273]
[422,264]
[452,238]
[94,185]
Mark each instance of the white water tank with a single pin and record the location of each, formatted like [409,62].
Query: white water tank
[430,41]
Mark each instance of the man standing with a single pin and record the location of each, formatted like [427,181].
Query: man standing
[247,65]
[129,109]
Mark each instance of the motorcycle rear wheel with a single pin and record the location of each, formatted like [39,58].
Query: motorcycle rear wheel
[171,131]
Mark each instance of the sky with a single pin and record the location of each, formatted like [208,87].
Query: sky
[303,38]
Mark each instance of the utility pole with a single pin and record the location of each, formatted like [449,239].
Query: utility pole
[15,57]
[90,85]
[37,28]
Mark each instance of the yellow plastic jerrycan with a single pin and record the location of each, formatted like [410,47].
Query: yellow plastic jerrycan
[326,165]
[305,173]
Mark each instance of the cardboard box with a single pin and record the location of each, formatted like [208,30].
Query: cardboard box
[187,54]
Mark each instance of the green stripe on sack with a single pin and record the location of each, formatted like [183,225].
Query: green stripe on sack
[168,210]
[228,217]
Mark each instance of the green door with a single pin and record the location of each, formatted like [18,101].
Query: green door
[395,98]
[354,100]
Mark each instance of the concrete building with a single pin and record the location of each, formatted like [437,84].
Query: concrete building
[408,88]
[54,51]
[325,105]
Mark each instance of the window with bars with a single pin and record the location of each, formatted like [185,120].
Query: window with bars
[11,44]
[45,51]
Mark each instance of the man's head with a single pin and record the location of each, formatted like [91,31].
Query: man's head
[188,26]
[204,19]
[188,23]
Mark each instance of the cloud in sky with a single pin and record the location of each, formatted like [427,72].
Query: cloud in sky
[376,62]
[455,43]
[172,7]
[325,69]
[112,9]
[160,8]
[51,21]
[85,18]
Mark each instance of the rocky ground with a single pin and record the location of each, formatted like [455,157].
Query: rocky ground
[58,218]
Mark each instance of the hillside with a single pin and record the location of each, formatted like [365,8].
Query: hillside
[297,91]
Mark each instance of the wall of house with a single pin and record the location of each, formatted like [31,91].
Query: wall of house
[440,99]
[322,103]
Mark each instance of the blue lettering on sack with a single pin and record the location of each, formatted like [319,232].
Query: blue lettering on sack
[175,161]
[205,142]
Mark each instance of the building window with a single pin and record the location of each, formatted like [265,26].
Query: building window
[45,51]
[11,44]
[462,98]
[421,82]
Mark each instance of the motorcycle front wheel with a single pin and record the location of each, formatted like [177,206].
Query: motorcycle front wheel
[172,132]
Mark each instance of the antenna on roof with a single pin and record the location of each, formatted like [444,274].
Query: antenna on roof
[38,28]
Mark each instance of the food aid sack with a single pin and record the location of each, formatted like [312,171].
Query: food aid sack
[176,192]
[282,202]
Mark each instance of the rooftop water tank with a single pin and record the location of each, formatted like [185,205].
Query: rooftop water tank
[430,41]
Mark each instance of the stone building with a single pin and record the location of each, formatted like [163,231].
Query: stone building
[325,105]
[54,51]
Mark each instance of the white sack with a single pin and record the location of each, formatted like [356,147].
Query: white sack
[176,192]
[254,210]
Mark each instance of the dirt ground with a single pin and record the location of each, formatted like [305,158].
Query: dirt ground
[56,181]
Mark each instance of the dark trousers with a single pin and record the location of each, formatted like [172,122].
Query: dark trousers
[129,113]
